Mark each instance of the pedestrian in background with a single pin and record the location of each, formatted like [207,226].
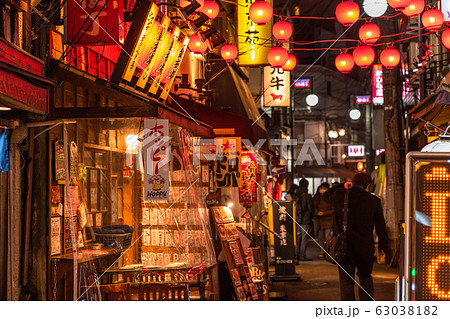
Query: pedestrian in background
[364,213]
[304,211]
[290,196]
[324,211]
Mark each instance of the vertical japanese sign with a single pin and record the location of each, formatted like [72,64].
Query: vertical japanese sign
[80,15]
[156,159]
[283,224]
[377,84]
[228,171]
[255,41]
[247,193]
[277,84]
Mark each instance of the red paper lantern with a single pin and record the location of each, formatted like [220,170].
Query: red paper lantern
[211,9]
[363,56]
[277,56]
[369,33]
[432,19]
[445,38]
[390,57]
[344,62]
[196,45]
[282,30]
[290,64]
[399,4]
[347,12]
[260,12]
[414,8]
[184,3]
[229,52]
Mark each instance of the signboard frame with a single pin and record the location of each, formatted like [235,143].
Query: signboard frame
[408,284]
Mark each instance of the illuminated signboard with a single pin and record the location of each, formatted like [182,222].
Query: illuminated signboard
[302,83]
[445,8]
[254,41]
[362,99]
[356,150]
[277,84]
[427,236]
[377,84]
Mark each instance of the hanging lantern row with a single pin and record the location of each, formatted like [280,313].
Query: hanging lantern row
[369,33]
[363,56]
[282,30]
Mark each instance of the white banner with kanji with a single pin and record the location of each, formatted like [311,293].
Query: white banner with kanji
[156,154]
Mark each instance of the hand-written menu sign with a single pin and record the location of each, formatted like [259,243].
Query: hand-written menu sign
[234,253]
[247,193]
[156,159]
[228,171]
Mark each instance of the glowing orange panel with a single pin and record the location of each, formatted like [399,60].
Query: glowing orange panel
[432,274]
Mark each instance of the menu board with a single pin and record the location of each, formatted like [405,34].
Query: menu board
[234,253]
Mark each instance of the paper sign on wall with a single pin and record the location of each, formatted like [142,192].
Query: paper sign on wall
[156,159]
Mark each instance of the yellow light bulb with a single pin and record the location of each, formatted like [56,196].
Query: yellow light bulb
[277,57]
[343,63]
[368,33]
[259,13]
[391,59]
[350,13]
[432,20]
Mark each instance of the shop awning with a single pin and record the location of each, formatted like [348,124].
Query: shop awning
[221,119]
[317,171]
[122,102]
[434,108]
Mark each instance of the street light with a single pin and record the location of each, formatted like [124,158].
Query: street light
[355,114]
[312,100]
[341,132]
[332,134]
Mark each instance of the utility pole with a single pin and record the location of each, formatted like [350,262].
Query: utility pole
[394,144]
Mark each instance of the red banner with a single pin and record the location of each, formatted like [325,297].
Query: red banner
[94,22]
[247,193]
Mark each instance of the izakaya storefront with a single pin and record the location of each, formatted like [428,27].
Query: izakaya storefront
[127,218]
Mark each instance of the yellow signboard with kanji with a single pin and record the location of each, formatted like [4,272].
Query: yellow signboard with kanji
[253,41]
[228,171]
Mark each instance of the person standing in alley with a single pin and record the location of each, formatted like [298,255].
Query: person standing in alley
[364,213]
[304,212]
[323,215]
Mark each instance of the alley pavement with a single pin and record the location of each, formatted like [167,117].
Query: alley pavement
[319,280]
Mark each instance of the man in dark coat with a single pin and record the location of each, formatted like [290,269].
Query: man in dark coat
[324,212]
[304,213]
[364,212]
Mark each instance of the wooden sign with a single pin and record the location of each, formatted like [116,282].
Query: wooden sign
[234,253]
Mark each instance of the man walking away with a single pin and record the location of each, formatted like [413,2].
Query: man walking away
[304,211]
[364,212]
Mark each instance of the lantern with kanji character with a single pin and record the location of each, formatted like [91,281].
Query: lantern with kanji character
[260,12]
[369,33]
[399,4]
[390,57]
[347,12]
[277,56]
[344,62]
[363,56]
[211,9]
[282,30]
[290,64]
[432,19]
[414,8]
[229,52]
[196,45]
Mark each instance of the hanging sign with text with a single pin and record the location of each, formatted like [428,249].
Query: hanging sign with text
[247,193]
[156,159]
[228,171]
[277,83]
